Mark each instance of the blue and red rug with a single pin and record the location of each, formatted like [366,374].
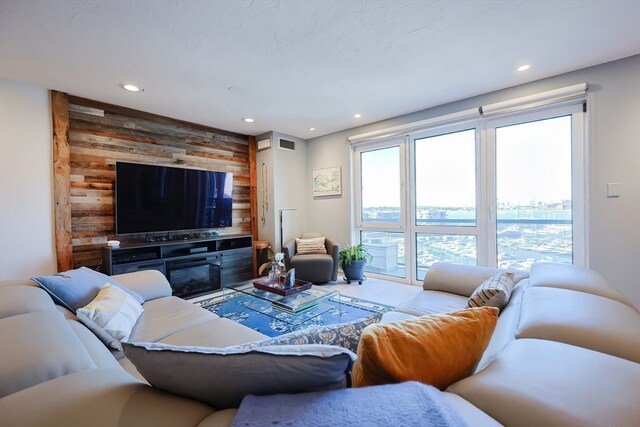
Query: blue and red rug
[273,322]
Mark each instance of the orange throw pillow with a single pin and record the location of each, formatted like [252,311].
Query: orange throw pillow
[438,350]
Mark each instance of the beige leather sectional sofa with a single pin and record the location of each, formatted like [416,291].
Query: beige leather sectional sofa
[566,351]
[55,372]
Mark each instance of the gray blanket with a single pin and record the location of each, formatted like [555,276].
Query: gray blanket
[409,404]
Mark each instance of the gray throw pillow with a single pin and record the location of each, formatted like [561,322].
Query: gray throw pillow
[222,377]
[76,288]
[345,335]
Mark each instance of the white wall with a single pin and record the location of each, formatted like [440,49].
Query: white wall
[287,191]
[267,229]
[290,190]
[614,114]
[26,182]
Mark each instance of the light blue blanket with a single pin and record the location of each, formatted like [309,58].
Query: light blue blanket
[409,404]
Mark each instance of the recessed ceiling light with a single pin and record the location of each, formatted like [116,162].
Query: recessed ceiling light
[130,87]
[357,115]
[524,67]
[248,120]
[312,128]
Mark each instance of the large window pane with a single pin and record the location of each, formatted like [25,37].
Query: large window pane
[455,248]
[533,193]
[387,249]
[446,179]
[381,185]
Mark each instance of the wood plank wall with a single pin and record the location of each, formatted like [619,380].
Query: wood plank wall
[121,134]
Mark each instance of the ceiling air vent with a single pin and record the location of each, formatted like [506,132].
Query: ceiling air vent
[286,144]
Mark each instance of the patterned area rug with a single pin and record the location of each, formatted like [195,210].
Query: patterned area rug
[233,306]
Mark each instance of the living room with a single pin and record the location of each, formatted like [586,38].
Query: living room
[606,199]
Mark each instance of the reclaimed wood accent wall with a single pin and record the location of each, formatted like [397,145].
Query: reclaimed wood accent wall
[61,167]
[101,134]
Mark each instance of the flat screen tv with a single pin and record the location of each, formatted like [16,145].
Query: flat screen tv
[153,198]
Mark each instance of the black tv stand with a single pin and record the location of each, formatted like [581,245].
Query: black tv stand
[192,266]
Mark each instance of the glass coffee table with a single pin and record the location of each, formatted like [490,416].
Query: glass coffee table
[294,309]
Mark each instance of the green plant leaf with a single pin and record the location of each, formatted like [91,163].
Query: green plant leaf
[351,254]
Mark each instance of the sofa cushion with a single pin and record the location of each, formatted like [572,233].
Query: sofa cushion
[99,398]
[493,292]
[222,418]
[437,350]
[314,245]
[536,383]
[77,288]
[581,319]
[16,300]
[395,316]
[165,316]
[100,355]
[432,302]
[471,415]
[564,276]
[111,315]
[345,335]
[222,377]
[37,347]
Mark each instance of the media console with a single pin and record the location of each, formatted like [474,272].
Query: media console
[191,266]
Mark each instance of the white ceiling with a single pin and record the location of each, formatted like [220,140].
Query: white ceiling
[295,64]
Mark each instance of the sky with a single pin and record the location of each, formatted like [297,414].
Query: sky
[533,163]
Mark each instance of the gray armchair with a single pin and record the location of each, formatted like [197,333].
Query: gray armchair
[316,268]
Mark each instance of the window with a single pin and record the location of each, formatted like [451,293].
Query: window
[445,171]
[381,191]
[534,210]
[505,191]
[381,211]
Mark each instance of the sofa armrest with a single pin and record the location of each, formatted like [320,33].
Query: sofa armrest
[289,250]
[151,284]
[332,249]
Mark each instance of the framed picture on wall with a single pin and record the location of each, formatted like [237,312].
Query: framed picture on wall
[327,182]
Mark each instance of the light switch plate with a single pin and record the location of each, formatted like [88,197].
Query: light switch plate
[613,189]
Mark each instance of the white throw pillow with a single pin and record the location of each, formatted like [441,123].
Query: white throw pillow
[493,292]
[111,315]
[310,246]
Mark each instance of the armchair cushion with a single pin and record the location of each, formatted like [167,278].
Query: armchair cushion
[310,246]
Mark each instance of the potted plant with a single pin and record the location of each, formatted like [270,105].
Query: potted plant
[353,260]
